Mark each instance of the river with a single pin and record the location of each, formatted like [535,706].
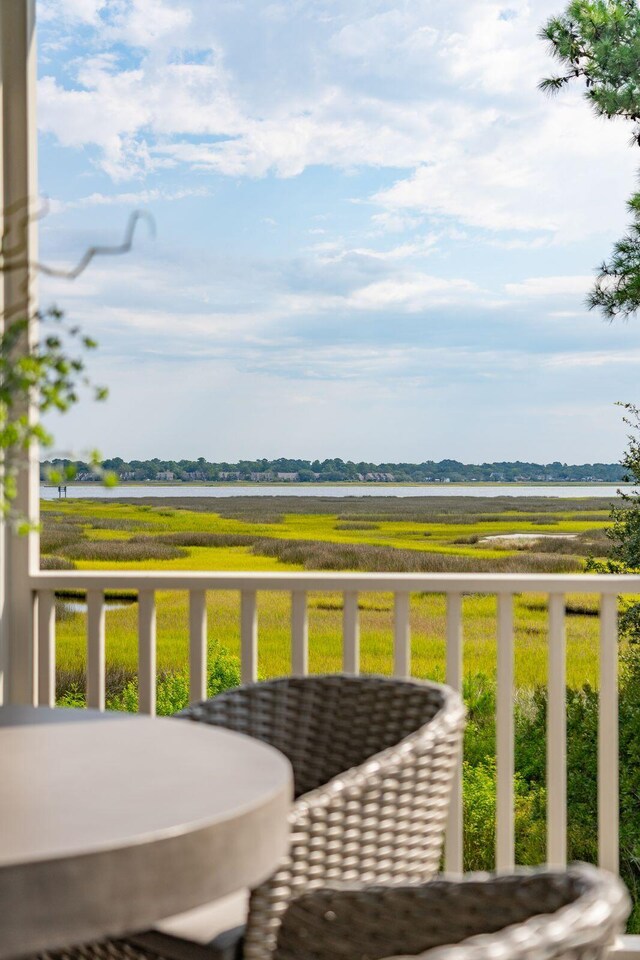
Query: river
[124,490]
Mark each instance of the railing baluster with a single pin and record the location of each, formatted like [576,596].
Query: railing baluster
[248,636]
[608,815]
[350,633]
[505,853]
[147,652]
[46,648]
[401,635]
[557,736]
[299,634]
[454,847]
[197,646]
[95,649]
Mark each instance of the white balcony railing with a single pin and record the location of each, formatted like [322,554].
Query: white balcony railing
[298,585]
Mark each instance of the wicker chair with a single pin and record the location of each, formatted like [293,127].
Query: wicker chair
[529,915]
[373,761]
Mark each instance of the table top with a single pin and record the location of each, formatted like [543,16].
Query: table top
[107,827]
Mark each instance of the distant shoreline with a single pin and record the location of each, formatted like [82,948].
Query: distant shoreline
[231,484]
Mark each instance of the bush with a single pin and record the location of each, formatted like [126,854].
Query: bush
[172,689]
[530,782]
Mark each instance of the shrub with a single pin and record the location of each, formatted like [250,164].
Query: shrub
[172,689]
[530,783]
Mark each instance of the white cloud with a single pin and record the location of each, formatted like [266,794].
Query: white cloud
[558,171]
[413,292]
[448,94]
[83,11]
[131,199]
[603,358]
[554,287]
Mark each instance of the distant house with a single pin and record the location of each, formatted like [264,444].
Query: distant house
[195,475]
[263,477]
[286,476]
[379,477]
[165,475]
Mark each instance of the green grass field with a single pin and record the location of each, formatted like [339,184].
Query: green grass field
[267,534]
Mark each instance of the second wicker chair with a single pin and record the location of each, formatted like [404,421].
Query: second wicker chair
[373,761]
[528,915]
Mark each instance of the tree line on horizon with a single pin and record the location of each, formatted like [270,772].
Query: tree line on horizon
[336,470]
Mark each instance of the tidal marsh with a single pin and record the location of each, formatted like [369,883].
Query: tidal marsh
[366,533]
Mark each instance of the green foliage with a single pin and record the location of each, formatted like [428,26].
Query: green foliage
[624,532]
[598,41]
[172,689]
[340,471]
[530,782]
[36,378]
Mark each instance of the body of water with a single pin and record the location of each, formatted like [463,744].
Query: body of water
[97,491]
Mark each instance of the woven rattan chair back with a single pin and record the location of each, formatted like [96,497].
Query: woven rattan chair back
[327,724]
[530,915]
[373,761]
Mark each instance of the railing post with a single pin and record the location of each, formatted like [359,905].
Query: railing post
[505,852]
[46,648]
[248,636]
[95,649]
[147,652]
[557,736]
[197,646]
[608,774]
[19,555]
[350,634]
[299,634]
[454,839]
[401,635]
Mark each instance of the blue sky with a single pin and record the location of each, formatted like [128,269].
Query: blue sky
[374,235]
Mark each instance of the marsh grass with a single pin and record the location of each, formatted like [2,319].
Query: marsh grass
[51,562]
[57,537]
[263,509]
[356,525]
[201,538]
[120,523]
[123,551]
[591,543]
[322,555]
[209,538]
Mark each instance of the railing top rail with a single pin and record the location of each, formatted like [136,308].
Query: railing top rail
[337,581]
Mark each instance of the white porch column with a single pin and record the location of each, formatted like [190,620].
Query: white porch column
[19,555]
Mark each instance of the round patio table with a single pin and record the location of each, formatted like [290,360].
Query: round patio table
[111,822]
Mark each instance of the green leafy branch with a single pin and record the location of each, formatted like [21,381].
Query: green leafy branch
[47,375]
[598,42]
